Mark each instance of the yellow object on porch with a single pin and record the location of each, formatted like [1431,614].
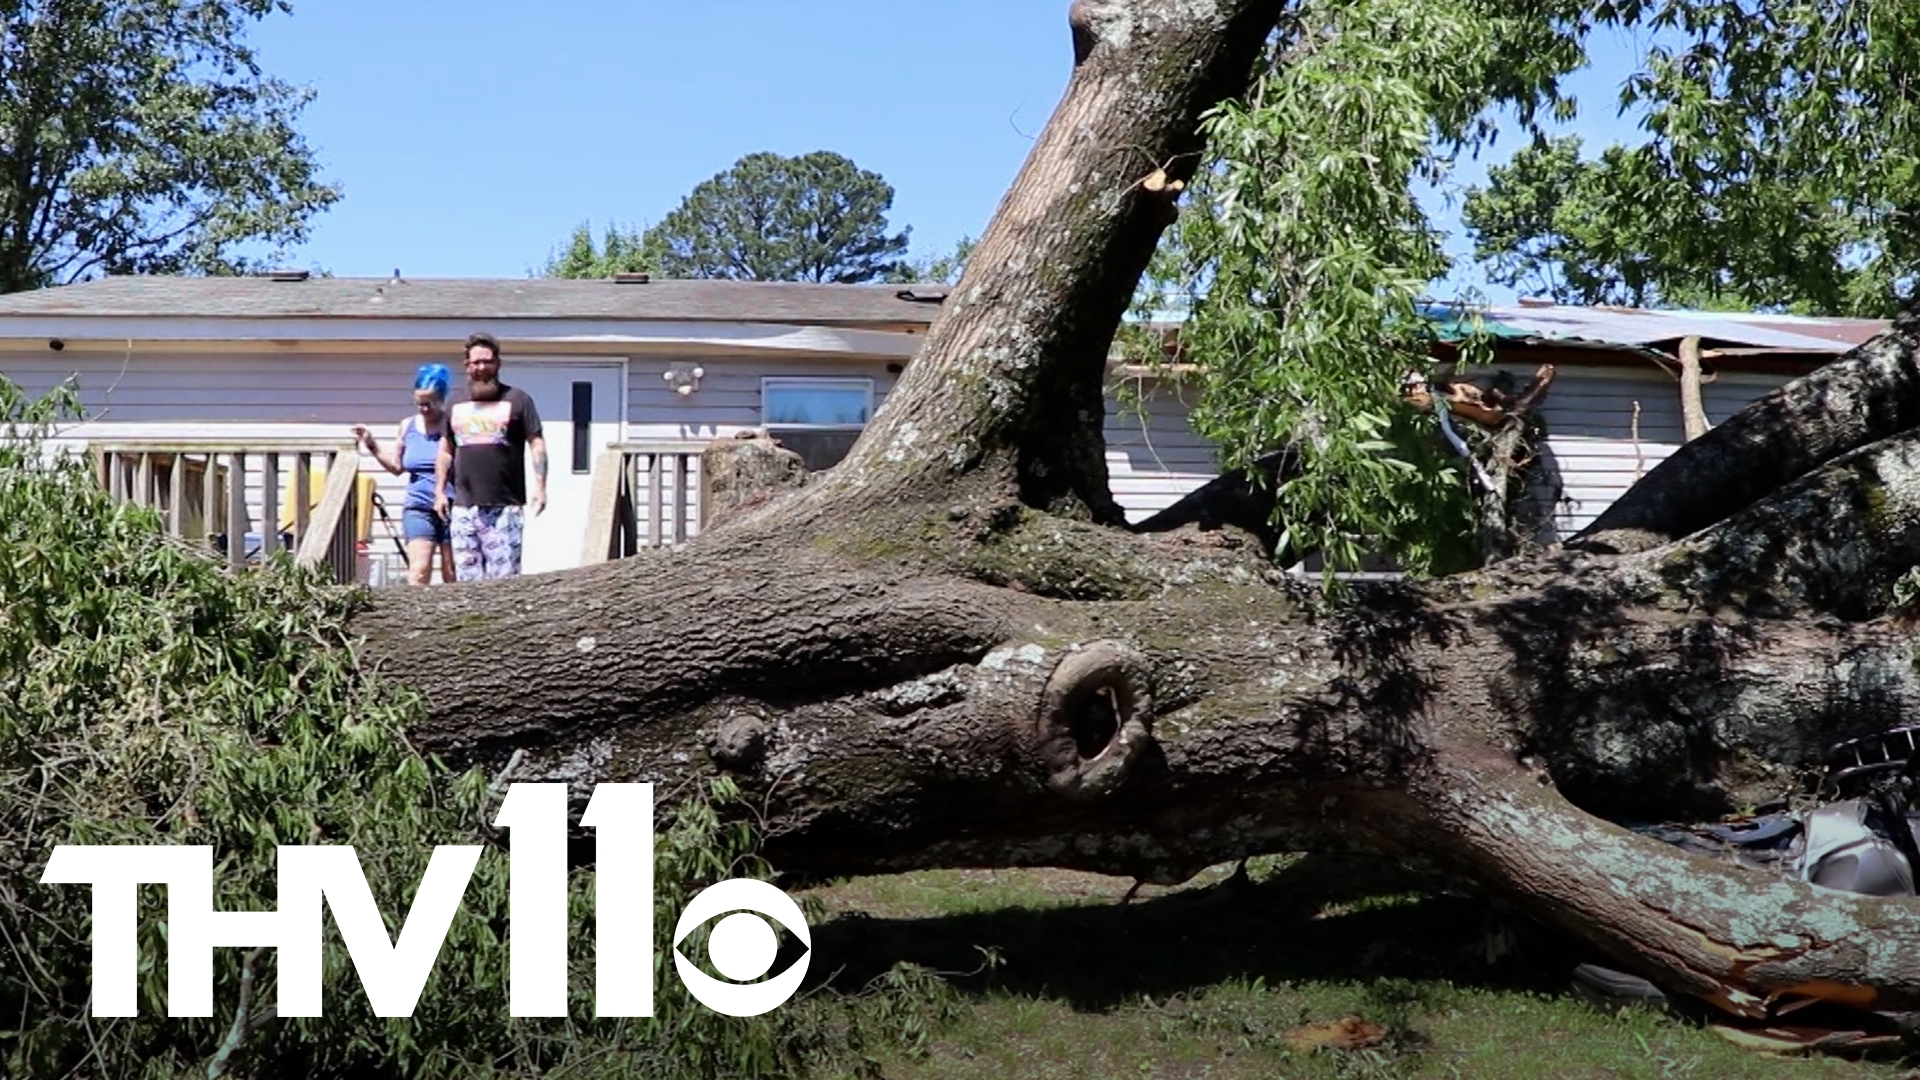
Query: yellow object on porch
[317,488]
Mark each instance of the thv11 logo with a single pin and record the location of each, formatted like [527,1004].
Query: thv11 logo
[742,946]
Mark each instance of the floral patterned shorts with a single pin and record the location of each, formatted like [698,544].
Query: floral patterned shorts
[486,541]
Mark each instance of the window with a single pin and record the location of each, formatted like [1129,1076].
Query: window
[583,427]
[819,419]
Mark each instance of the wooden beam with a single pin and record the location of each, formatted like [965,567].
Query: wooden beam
[177,496]
[302,496]
[603,507]
[656,480]
[270,505]
[237,510]
[682,478]
[209,496]
[335,498]
[190,444]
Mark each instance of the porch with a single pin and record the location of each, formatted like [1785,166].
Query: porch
[244,502]
[241,501]
[646,493]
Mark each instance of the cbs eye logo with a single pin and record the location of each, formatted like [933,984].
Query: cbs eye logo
[742,947]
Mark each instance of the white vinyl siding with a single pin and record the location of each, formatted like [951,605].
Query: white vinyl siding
[1153,456]
[727,400]
[1600,446]
[1594,440]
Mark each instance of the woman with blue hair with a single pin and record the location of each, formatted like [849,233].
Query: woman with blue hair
[416,446]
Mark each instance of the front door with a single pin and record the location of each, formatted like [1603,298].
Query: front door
[580,409]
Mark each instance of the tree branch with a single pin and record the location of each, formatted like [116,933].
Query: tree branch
[1834,542]
[1507,455]
[1693,409]
[765,620]
[1750,943]
[244,1021]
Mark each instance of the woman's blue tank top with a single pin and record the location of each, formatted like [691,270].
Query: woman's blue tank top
[418,450]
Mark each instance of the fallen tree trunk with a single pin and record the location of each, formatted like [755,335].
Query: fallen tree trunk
[950,651]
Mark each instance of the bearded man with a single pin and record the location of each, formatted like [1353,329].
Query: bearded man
[486,437]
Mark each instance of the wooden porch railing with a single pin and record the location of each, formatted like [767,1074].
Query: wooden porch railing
[646,494]
[202,489]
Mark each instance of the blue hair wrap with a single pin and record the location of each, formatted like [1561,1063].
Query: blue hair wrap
[434,377]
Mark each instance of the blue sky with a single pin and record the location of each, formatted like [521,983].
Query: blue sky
[470,138]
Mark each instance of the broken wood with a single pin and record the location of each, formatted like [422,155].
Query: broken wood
[1509,458]
[1463,399]
[743,472]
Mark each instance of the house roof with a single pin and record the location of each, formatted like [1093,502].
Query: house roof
[483,298]
[1646,328]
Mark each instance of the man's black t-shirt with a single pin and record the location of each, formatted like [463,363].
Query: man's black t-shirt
[489,448]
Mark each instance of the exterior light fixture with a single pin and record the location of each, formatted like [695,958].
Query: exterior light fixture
[683,377]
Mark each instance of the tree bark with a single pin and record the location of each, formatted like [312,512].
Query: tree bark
[947,652]
[1011,381]
[1693,406]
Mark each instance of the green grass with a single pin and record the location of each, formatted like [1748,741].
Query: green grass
[1209,979]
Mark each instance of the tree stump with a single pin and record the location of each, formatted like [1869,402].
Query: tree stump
[744,472]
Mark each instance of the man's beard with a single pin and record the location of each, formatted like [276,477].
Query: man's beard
[483,391]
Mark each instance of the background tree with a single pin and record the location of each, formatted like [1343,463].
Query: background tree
[943,268]
[1785,138]
[1553,225]
[620,251]
[816,217]
[140,136]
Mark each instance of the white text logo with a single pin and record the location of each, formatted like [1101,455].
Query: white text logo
[742,946]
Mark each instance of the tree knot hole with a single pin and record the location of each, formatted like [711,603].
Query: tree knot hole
[1094,720]
[739,744]
[1095,723]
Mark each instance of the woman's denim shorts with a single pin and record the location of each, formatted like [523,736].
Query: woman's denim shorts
[417,524]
